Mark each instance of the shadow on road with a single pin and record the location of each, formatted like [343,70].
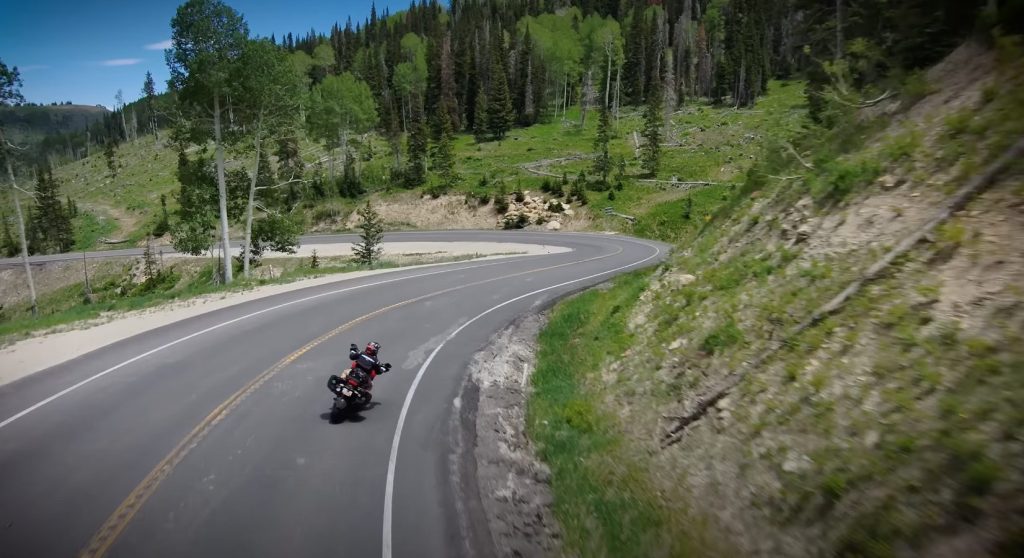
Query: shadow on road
[353,415]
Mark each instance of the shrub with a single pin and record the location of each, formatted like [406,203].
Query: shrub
[916,87]
[722,337]
[839,178]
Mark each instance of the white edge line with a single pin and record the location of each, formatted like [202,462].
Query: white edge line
[220,325]
[389,489]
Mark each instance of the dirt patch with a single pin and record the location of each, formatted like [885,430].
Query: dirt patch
[497,468]
[980,284]
[445,212]
[872,222]
[51,276]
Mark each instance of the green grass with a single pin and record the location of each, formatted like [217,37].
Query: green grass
[677,219]
[603,499]
[89,229]
[714,144]
[722,337]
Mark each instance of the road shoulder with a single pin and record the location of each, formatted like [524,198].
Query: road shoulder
[505,500]
[28,356]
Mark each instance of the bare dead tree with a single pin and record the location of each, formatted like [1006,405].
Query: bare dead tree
[7,148]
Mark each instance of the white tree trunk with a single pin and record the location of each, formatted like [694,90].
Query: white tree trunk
[618,84]
[249,205]
[222,190]
[21,229]
[608,80]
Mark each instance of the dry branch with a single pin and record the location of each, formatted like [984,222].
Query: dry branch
[789,147]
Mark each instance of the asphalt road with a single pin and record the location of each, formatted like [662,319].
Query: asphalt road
[220,445]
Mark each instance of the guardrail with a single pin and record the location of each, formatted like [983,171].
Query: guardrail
[611,212]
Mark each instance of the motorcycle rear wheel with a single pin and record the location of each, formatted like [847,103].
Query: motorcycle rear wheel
[337,409]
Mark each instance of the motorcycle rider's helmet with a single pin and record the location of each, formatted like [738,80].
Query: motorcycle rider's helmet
[372,348]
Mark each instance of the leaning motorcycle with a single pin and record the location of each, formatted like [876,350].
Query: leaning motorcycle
[351,390]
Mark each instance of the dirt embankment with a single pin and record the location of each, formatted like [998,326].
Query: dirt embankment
[504,498]
[891,425]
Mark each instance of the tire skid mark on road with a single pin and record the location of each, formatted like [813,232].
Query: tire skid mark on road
[111,529]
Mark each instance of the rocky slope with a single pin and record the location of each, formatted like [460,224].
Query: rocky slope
[891,426]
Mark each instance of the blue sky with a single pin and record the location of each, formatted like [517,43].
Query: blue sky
[84,51]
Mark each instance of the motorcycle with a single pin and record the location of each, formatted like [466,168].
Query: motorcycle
[351,390]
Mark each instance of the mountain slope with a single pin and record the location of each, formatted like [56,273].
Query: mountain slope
[889,426]
[28,124]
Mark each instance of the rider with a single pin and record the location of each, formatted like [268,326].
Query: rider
[367,361]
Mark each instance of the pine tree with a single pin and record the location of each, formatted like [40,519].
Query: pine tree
[71,206]
[9,246]
[525,106]
[603,160]
[368,251]
[469,87]
[416,159]
[149,90]
[636,58]
[164,224]
[51,218]
[499,100]
[441,90]
[110,154]
[444,156]
[650,154]
[501,199]
[480,116]
[350,186]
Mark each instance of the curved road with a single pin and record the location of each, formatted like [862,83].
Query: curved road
[209,436]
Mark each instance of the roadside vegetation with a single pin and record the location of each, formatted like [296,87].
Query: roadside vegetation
[116,287]
[604,499]
[885,426]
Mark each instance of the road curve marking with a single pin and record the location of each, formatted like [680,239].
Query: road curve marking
[389,489]
[108,533]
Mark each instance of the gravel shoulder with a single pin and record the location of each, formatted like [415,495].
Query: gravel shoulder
[503,492]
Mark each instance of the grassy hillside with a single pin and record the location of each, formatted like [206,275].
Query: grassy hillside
[889,427]
[703,143]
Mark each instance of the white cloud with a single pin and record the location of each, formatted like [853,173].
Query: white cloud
[121,62]
[159,46]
